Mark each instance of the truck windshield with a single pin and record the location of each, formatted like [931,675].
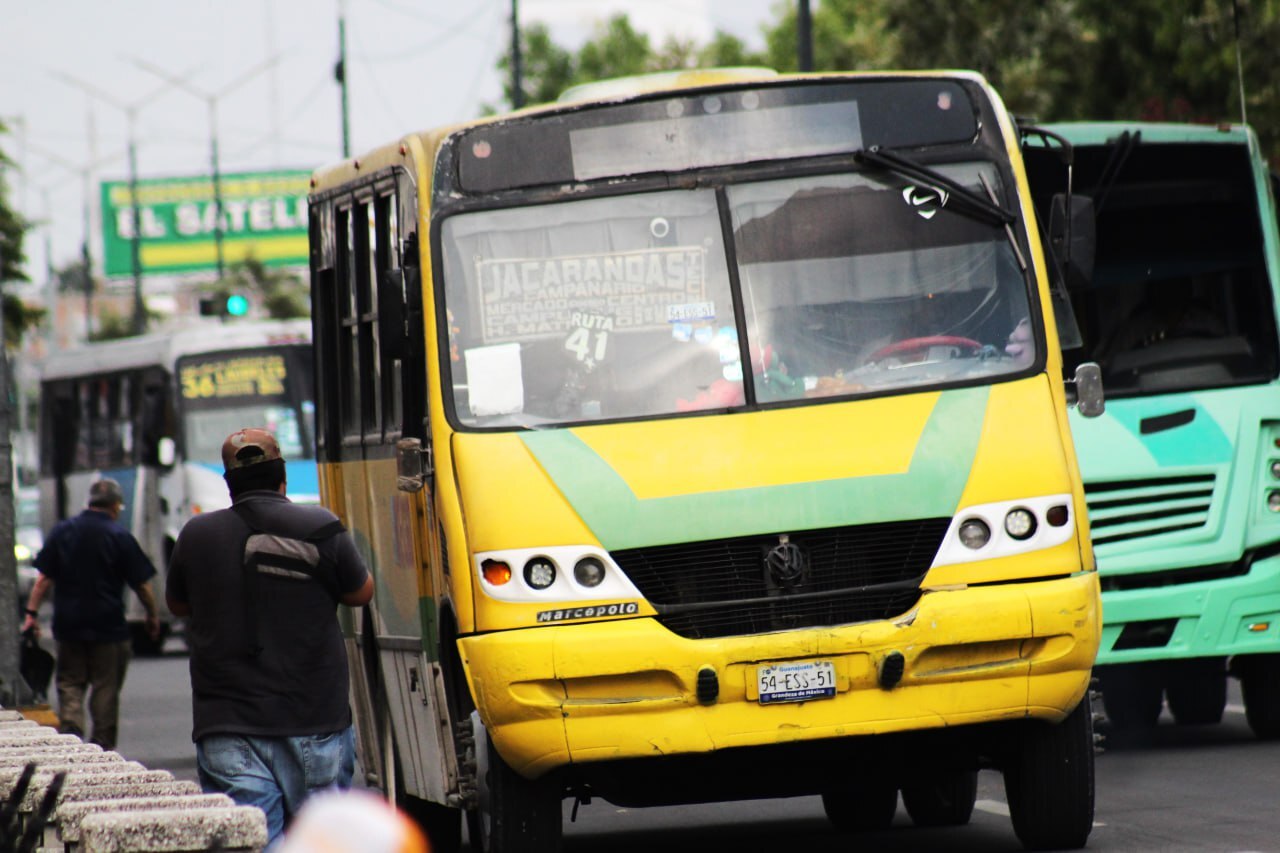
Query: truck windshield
[623,307]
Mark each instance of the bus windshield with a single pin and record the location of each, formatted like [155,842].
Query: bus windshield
[224,391]
[634,306]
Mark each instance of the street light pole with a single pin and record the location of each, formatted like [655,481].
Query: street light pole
[135,244]
[211,98]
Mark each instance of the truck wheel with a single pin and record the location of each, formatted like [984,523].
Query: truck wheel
[1260,684]
[1048,782]
[441,824]
[865,806]
[516,815]
[945,801]
[1131,695]
[1197,693]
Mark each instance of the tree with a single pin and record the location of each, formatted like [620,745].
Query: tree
[17,316]
[12,227]
[616,49]
[280,293]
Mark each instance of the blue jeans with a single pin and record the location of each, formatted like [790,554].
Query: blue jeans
[276,774]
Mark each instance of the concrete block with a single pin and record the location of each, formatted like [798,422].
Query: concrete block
[87,774]
[240,828]
[128,789]
[8,715]
[45,771]
[20,723]
[85,753]
[38,740]
[68,816]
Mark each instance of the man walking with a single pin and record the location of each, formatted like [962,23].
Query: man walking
[260,583]
[87,561]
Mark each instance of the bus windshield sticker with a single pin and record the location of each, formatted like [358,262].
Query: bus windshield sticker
[495,379]
[589,340]
[529,298]
[248,376]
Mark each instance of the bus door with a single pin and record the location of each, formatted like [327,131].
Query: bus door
[375,361]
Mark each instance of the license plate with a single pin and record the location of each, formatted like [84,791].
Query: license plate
[798,681]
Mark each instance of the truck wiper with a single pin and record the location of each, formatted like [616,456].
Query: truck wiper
[966,200]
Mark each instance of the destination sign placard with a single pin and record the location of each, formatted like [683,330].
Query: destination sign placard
[236,376]
[523,298]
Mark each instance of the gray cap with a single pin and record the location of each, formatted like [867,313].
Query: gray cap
[105,492]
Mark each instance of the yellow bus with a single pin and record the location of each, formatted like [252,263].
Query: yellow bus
[707,437]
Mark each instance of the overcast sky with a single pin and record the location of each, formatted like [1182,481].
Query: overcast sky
[412,64]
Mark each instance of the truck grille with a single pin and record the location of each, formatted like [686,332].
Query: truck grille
[1122,510]
[756,584]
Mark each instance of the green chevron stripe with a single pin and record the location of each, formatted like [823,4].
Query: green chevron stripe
[930,488]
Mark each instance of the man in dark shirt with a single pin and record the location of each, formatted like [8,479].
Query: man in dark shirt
[260,584]
[87,560]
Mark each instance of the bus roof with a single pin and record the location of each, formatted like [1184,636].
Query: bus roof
[617,90]
[164,348]
[1105,132]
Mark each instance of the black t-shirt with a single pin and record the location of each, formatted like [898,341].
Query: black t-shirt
[90,558]
[271,663]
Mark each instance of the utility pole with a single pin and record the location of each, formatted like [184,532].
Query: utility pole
[211,99]
[340,74]
[517,84]
[804,37]
[135,249]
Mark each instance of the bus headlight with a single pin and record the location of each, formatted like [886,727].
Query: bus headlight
[1020,523]
[589,572]
[1273,501]
[539,573]
[974,533]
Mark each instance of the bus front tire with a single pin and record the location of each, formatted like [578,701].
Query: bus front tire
[441,824]
[515,814]
[1132,696]
[946,800]
[867,805]
[1260,684]
[1048,782]
[1197,692]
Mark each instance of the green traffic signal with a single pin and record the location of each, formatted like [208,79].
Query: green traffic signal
[237,305]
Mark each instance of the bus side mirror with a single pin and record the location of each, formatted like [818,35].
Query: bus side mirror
[1073,237]
[413,465]
[1085,390]
[166,452]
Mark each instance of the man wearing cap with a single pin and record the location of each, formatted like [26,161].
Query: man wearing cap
[87,561]
[260,583]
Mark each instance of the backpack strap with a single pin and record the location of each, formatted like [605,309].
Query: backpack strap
[288,557]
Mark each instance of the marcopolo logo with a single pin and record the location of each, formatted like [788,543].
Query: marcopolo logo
[596,611]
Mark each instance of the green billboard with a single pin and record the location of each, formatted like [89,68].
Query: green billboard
[264,214]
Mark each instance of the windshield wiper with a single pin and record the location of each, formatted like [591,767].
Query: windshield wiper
[968,200]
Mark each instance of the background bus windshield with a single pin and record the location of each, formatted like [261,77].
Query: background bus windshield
[223,392]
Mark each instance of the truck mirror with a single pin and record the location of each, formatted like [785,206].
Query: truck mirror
[1089,398]
[1073,238]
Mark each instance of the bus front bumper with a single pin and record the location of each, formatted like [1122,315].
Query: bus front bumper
[1216,618]
[602,691]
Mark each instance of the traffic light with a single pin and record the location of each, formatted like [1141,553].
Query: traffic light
[237,305]
[224,305]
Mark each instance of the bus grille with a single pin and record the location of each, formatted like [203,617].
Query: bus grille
[725,587]
[1123,510]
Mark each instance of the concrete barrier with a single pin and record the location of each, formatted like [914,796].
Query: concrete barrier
[238,828]
[37,739]
[68,817]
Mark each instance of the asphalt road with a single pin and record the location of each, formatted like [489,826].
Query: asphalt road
[1210,788]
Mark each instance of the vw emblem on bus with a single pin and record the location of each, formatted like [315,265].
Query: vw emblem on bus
[927,201]
[786,565]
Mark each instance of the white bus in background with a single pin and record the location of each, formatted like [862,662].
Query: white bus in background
[152,411]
